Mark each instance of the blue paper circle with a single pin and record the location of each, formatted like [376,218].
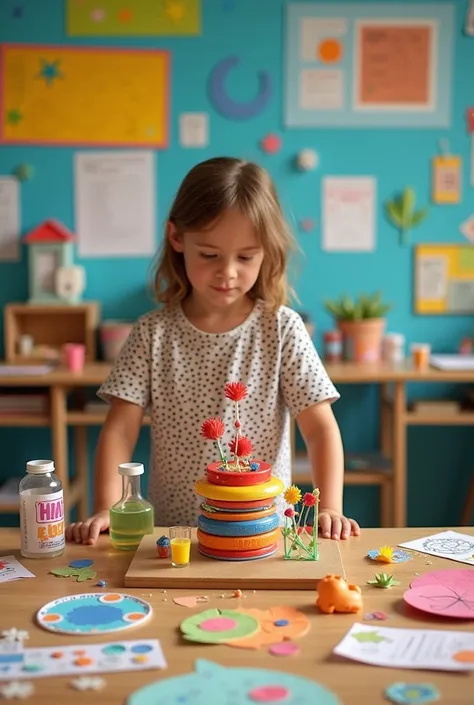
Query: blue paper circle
[112,649]
[141,648]
[81,563]
[281,623]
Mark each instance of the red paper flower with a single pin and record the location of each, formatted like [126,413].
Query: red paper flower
[212,429]
[242,448]
[235,391]
[290,512]
[309,500]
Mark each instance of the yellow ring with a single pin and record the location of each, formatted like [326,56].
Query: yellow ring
[269,489]
[241,516]
[238,543]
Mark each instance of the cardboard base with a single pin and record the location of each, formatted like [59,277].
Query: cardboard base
[272,573]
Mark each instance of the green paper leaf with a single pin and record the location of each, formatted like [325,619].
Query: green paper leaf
[82,574]
[368,637]
[62,572]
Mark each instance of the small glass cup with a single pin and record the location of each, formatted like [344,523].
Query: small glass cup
[180,541]
[420,354]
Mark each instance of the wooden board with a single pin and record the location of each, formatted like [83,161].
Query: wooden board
[273,573]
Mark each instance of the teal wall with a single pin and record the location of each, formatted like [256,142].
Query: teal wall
[439,460]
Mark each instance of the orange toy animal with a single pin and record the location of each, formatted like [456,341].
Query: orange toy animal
[335,595]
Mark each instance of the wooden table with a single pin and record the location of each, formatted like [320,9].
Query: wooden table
[395,419]
[355,683]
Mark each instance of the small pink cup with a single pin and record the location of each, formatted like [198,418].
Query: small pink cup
[74,356]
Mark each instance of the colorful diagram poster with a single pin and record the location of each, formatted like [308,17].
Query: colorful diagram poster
[146,18]
[357,65]
[83,96]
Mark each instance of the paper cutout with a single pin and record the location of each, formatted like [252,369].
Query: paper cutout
[212,684]
[277,624]
[446,179]
[388,554]
[80,574]
[411,693]
[219,626]
[446,544]
[307,160]
[383,580]
[88,683]
[93,613]
[467,229]
[10,568]
[81,563]
[101,96]
[448,593]
[307,225]
[141,18]
[230,108]
[285,648]
[15,689]
[194,130]
[17,663]
[459,579]
[271,144]
[408,648]
[190,601]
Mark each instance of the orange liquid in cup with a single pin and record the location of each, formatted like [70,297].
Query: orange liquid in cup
[180,550]
[420,357]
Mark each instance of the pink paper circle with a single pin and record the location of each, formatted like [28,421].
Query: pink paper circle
[269,694]
[440,600]
[459,579]
[284,648]
[218,624]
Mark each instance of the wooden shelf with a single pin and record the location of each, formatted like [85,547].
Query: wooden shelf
[86,418]
[19,420]
[374,468]
[9,508]
[463,418]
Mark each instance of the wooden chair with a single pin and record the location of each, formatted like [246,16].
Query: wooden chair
[469,506]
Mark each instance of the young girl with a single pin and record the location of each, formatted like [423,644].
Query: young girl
[221,278]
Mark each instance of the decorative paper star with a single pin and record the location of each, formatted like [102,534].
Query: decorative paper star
[125,15]
[88,683]
[14,116]
[50,70]
[175,10]
[271,144]
[15,634]
[16,689]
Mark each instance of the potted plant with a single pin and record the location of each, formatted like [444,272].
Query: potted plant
[362,324]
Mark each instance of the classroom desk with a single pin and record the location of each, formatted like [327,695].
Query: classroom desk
[354,683]
[395,418]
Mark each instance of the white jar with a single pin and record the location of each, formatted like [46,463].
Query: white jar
[393,348]
[41,511]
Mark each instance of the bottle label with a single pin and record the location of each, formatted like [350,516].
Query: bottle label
[42,522]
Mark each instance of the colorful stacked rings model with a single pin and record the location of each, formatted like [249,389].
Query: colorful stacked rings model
[238,528]
[267,490]
[240,506]
[236,516]
[222,555]
[237,543]
[218,476]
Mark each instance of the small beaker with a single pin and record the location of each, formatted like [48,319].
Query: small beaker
[180,541]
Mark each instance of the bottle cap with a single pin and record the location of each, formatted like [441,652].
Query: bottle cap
[131,469]
[39,467]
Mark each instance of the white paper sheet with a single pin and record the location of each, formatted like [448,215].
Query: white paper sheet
[115,204]
[447,544]
[313,30]
[9,219]
[321,89]
[469,24]
[432,278]
[110,657]
[407,648]
[452,362]
[348,214]
[194,129]
[11,569]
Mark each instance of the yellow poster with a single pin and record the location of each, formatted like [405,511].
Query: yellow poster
[61,95]
[444,279]
[146,18]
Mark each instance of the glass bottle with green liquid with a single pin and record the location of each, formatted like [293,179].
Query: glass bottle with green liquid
[132,517]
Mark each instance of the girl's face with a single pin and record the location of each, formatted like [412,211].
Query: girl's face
[223,261]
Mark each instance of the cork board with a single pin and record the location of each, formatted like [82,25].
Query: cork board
[273,573]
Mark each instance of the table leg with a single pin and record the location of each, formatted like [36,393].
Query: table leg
[385,426]
[59,440]
[399,455]
[80,433]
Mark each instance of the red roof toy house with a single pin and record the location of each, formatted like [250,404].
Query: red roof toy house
[50,248]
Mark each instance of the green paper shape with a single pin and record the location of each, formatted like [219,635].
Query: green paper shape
[24,172]
[82,574]
[369,637]
[246,626]
[402,214]
[62,572]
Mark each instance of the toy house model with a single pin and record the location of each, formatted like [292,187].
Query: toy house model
[50,249]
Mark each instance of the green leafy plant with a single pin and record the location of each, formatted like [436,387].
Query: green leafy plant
[359,308]
[402,213]
[383,580]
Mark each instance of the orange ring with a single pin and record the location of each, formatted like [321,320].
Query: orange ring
[241,543]
[241,516]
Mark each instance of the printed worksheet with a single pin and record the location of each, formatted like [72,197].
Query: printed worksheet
[446,544]
[11,569]
[409,648]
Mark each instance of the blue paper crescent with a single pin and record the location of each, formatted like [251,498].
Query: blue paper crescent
[229,107]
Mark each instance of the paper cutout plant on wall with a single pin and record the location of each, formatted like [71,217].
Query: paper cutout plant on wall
[300,539]
[402,214]
[212,683]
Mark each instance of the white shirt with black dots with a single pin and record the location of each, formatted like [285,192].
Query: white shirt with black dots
[179,373]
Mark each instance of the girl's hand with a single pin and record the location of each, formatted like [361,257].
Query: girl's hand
[88,531]
[335,525]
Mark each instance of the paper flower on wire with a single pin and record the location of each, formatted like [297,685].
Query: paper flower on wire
[88,683]
[388,554]
[242,447]
[235,391]
[412,693]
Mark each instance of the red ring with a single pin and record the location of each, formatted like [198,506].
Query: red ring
[248,506]
[228,478]
[256,553]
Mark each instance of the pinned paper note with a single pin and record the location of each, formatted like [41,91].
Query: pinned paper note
[194,129]
[446,179]
[9,219]
[348,218]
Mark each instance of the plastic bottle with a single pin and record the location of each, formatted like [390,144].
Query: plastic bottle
[133,516]
[41,511]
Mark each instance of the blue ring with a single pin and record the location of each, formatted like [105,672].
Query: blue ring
[252,527]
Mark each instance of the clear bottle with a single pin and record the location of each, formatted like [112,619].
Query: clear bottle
[133,516]
[41,511]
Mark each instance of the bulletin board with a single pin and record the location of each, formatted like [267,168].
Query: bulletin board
[444,279]
[150,18]
[360,65]
[57,95]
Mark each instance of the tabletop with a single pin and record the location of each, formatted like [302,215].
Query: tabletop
[354,683]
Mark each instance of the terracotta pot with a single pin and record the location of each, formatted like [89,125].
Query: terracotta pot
[362,339]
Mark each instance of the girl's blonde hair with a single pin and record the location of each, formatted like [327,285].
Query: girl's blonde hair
[208,190]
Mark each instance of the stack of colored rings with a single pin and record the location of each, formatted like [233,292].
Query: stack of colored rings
[238,520]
